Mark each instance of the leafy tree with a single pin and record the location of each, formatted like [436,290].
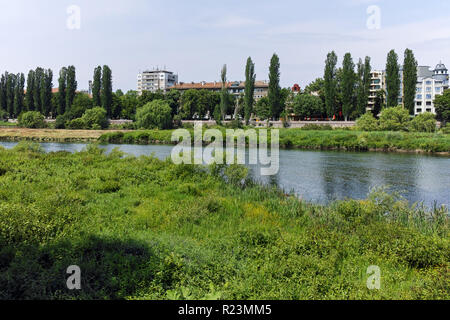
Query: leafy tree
[380,98]
[62,83]
[249,92]
[330,84]
[31,119]
[442,107]
[116,105]
[424,122]
[306,105]
[348,85]
[409,80]
[10,85]
[155,114]
[316,87]
[129,102]
[262,108]
[173,99]
[392,79]
[71,86]
[107,90]
[274,94]
[29,97]
[96,86]
[394,119]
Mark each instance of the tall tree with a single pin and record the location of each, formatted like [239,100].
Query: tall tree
[19,94]
[96,86]
[38,75]
[46,92]
[330,84]
[392,79]
[409,80]
[274,94]
[250,79]
[30,91]
[3,105]
[10,86]
[348,85]
[363,83]
[106,92]
[62,83]
[224,101]
[71,87]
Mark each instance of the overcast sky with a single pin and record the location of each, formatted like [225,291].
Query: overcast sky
[195,38]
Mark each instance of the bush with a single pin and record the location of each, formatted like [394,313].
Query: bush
[155,114]
[367,122]
[3,115]
[76,124]
[446,129]
[311,126]
[424,122]
[95,118]
[60,122]
[394,119]
[31,119]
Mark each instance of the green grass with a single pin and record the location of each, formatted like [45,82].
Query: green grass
[141,228]
[7,124]
[316,139]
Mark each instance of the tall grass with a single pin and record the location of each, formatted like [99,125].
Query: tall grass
[141,228]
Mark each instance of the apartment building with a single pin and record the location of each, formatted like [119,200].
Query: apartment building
[236,88]
[430,82]
[154,80]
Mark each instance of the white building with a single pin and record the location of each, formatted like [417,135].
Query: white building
[430,83]
[155,80]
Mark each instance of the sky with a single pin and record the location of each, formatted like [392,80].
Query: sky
[195,38]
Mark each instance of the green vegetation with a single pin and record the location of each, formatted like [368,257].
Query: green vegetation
[141,228]
[32,120]
[317,137]
[155,114]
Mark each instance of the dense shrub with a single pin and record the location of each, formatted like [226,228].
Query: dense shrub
[317,127]
[31,119]
[424,122]
[76,124]
[367,122]
[155,114]
[446,129]
[95,118]
[394,119]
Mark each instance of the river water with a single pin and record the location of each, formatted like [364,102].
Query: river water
[324,176]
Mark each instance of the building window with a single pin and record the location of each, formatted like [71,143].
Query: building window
[428,89]
[418,89]
[419,103]
[428,103]
[429,96]
[428,110]
[419,110]
[428,82]
[419,97]
[438,90]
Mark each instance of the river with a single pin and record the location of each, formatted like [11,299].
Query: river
[324,176]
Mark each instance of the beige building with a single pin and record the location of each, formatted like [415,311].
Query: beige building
[235,88]
[155,80]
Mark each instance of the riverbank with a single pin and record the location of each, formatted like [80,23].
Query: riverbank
[345,140]
[141,228]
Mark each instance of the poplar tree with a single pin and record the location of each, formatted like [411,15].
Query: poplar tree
[10,88]
[106,92]
[392,79]
[223,93]
[409,80]
[274,94]
[19,94]
[250,79]
[330,84]
[38,75]
[348,85]
[62,82]
[363,84]
[71,87]
[3,105]
[46,92]
[29,97]
[96,86]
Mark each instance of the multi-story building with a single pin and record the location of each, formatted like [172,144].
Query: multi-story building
[155,80]
[429,84]
[236,88]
